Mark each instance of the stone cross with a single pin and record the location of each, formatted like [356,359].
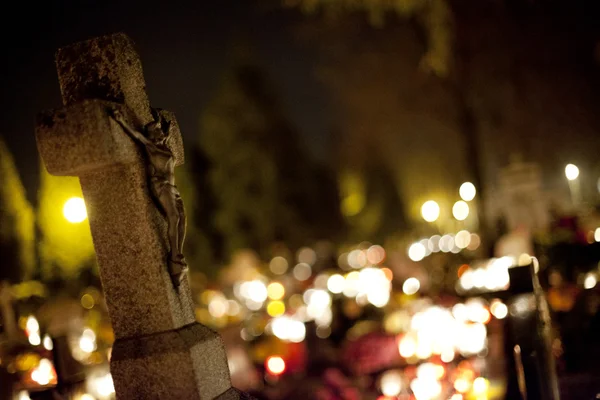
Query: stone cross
[160,351]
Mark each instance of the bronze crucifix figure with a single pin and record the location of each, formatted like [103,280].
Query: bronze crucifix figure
[161,174]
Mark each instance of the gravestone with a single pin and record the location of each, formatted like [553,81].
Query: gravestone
[160,351]
[522,198]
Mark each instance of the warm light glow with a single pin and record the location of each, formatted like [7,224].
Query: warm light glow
[430,211]
[474,242]
[433,244]
[425,389]
[34,339]
[351,284]
[286,328]
[460,210]
[335,283]
[499,309]
[446,243]
[276,308]
[32,325]
[460,313]
[597,235]
[217,307]
[275,365]
[302,271]
[590,281]
[375,254]
[74,210]
[278,265]
[102,386]
[571,172]
[416,252]
[407,347]
[306,255]
[447,356]
[23,395]
[523,260]
[256,290]
[462,239]
[275,291]
[411,286]
[480,385]
[467,191]
[233,308]
[357,259]
[44,373]
[391,383]
[87,342]
[48,345]
[462,385]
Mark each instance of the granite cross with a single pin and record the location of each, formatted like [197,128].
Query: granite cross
[160,351]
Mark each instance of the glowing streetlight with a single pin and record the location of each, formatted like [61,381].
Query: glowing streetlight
[74,210]
[460,210]
[467,191]
[430,210]
[571,172]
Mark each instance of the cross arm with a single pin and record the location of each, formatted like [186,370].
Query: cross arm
[84,137]
[130,130]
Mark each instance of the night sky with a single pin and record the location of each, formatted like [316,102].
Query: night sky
[184,47]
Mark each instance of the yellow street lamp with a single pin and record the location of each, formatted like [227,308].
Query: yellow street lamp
[74,210]
[430,211]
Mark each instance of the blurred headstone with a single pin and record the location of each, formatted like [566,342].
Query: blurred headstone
[160,350]
[523,201]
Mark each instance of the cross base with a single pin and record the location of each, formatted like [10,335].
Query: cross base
[194,354]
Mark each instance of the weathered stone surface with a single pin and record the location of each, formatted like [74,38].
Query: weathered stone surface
[129,235]
[160,352]
[103,68]
[194,354]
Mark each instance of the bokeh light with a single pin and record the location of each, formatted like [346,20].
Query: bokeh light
[391,383]
[411,286]
[460,210]
[571,172]
[275,365]
[275,291]
[430,211]
[462,240]
[590,281]
[499,309]
[74,210]
[467,191]
[416,252]
[335,283]
[278,265]
[302,271]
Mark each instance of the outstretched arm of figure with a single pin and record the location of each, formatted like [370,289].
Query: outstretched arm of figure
[131,131]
